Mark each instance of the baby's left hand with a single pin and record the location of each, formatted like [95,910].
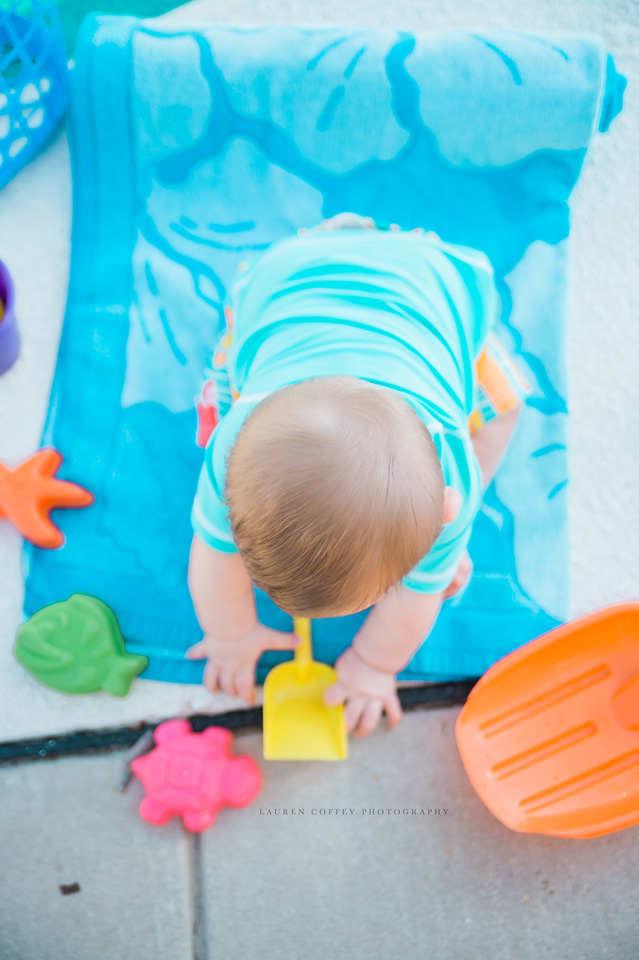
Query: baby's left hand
[366,692]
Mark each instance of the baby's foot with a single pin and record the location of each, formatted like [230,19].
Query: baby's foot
[344,221]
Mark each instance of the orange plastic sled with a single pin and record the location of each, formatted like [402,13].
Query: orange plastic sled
[549,736]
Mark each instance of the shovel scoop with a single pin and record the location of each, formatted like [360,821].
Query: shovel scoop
[298,725]
[549,736]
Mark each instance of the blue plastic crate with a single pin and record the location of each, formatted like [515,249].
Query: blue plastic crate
[33,80]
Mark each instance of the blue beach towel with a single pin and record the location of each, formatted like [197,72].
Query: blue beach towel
[192,149]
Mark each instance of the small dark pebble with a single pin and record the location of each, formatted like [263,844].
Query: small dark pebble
[67,888]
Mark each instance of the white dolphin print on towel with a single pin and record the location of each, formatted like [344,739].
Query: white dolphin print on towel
[322,118]
[533,452]
[174,318]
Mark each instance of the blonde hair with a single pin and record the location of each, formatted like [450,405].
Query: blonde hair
[335,491]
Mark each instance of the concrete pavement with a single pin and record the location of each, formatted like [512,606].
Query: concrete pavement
[357,871]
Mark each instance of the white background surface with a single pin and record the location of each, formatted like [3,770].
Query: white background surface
[603,342]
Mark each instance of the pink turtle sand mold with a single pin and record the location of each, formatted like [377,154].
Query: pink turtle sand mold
[193,775]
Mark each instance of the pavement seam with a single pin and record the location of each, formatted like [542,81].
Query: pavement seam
[197,901]
[434,695]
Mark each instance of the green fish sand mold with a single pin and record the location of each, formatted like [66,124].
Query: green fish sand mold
[75,646]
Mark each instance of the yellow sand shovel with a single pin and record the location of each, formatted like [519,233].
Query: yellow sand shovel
[298,725]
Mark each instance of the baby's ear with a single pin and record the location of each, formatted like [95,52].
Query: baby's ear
[452,504]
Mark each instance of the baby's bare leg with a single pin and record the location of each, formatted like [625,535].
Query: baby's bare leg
[491,441]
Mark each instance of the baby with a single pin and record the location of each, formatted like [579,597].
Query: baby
[342,473]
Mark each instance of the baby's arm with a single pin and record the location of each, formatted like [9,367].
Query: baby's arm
[396,627]
[221,591]
[234,639]
[392,632]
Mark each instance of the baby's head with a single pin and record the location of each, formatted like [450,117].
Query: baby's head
[335,491]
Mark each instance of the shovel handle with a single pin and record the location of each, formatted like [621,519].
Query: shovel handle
[303,653]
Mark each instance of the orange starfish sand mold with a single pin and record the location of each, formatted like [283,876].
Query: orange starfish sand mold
[30,491]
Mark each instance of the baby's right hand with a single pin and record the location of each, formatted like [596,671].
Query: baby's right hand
[230,666]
